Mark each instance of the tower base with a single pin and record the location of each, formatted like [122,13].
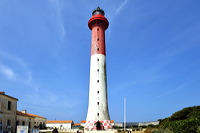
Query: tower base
[98,125]
[113,131]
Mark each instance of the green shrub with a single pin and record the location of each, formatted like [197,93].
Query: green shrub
[182,126]
[186,120]
[162,131]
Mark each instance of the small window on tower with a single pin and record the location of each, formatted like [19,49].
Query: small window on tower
[98,92]
[97,114]
[97,70]
[97,59]
[97,39]
[97,49]
[97,81]
[97,29]
[97,103]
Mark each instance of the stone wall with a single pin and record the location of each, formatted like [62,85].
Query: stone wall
[8,109]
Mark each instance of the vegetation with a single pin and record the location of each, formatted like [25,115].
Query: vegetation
[149,130]
[186,120]
[162,131]
[81,127]
[42,126]
[116,127]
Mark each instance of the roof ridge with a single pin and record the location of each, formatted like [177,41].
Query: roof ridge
[59,121]
[28,114]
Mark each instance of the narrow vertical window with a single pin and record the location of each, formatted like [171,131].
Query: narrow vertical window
[97,70]
[97,59]
[97,81]
[97,114]
[97,29]
[97,39]
[29,124]
[97,103]
[1,128]
[98,92]
[17,122]
[8,122]
[9,105]
[97,49]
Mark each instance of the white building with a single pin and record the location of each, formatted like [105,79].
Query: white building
[10,117]
[112,122]
[8,107]
[83,123]
[61,125]
[148,123]
[132,124]
[31,120]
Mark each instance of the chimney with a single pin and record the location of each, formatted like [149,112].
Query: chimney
[24,111]
[2,92]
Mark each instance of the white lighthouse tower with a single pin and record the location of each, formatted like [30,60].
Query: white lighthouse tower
[98,115]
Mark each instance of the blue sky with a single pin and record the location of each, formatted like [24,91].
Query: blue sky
[153,56]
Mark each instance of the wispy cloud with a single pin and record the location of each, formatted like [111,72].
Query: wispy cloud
[11,71]
[15,68]
[121,6]
[36,89]
[50,99]
[19,61]
[8,72]
[55,4]
[29,76]
[170,91]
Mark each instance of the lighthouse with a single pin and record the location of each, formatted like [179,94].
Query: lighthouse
[98,115]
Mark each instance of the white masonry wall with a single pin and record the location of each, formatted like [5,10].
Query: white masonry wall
[59,125]
[98,106]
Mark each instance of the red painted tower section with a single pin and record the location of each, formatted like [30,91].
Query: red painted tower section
[98,115]
[98,24]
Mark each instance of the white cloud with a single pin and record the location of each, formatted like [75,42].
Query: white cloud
[8,72]
[121,6]
[15,68]
[16,63]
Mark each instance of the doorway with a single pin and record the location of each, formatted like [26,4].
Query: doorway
[99,125]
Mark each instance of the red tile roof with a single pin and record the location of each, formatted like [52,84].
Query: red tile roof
[112,121]
[23,114]
[70,121]
[35,115]
[83,121]
[76,124]
[28,114]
